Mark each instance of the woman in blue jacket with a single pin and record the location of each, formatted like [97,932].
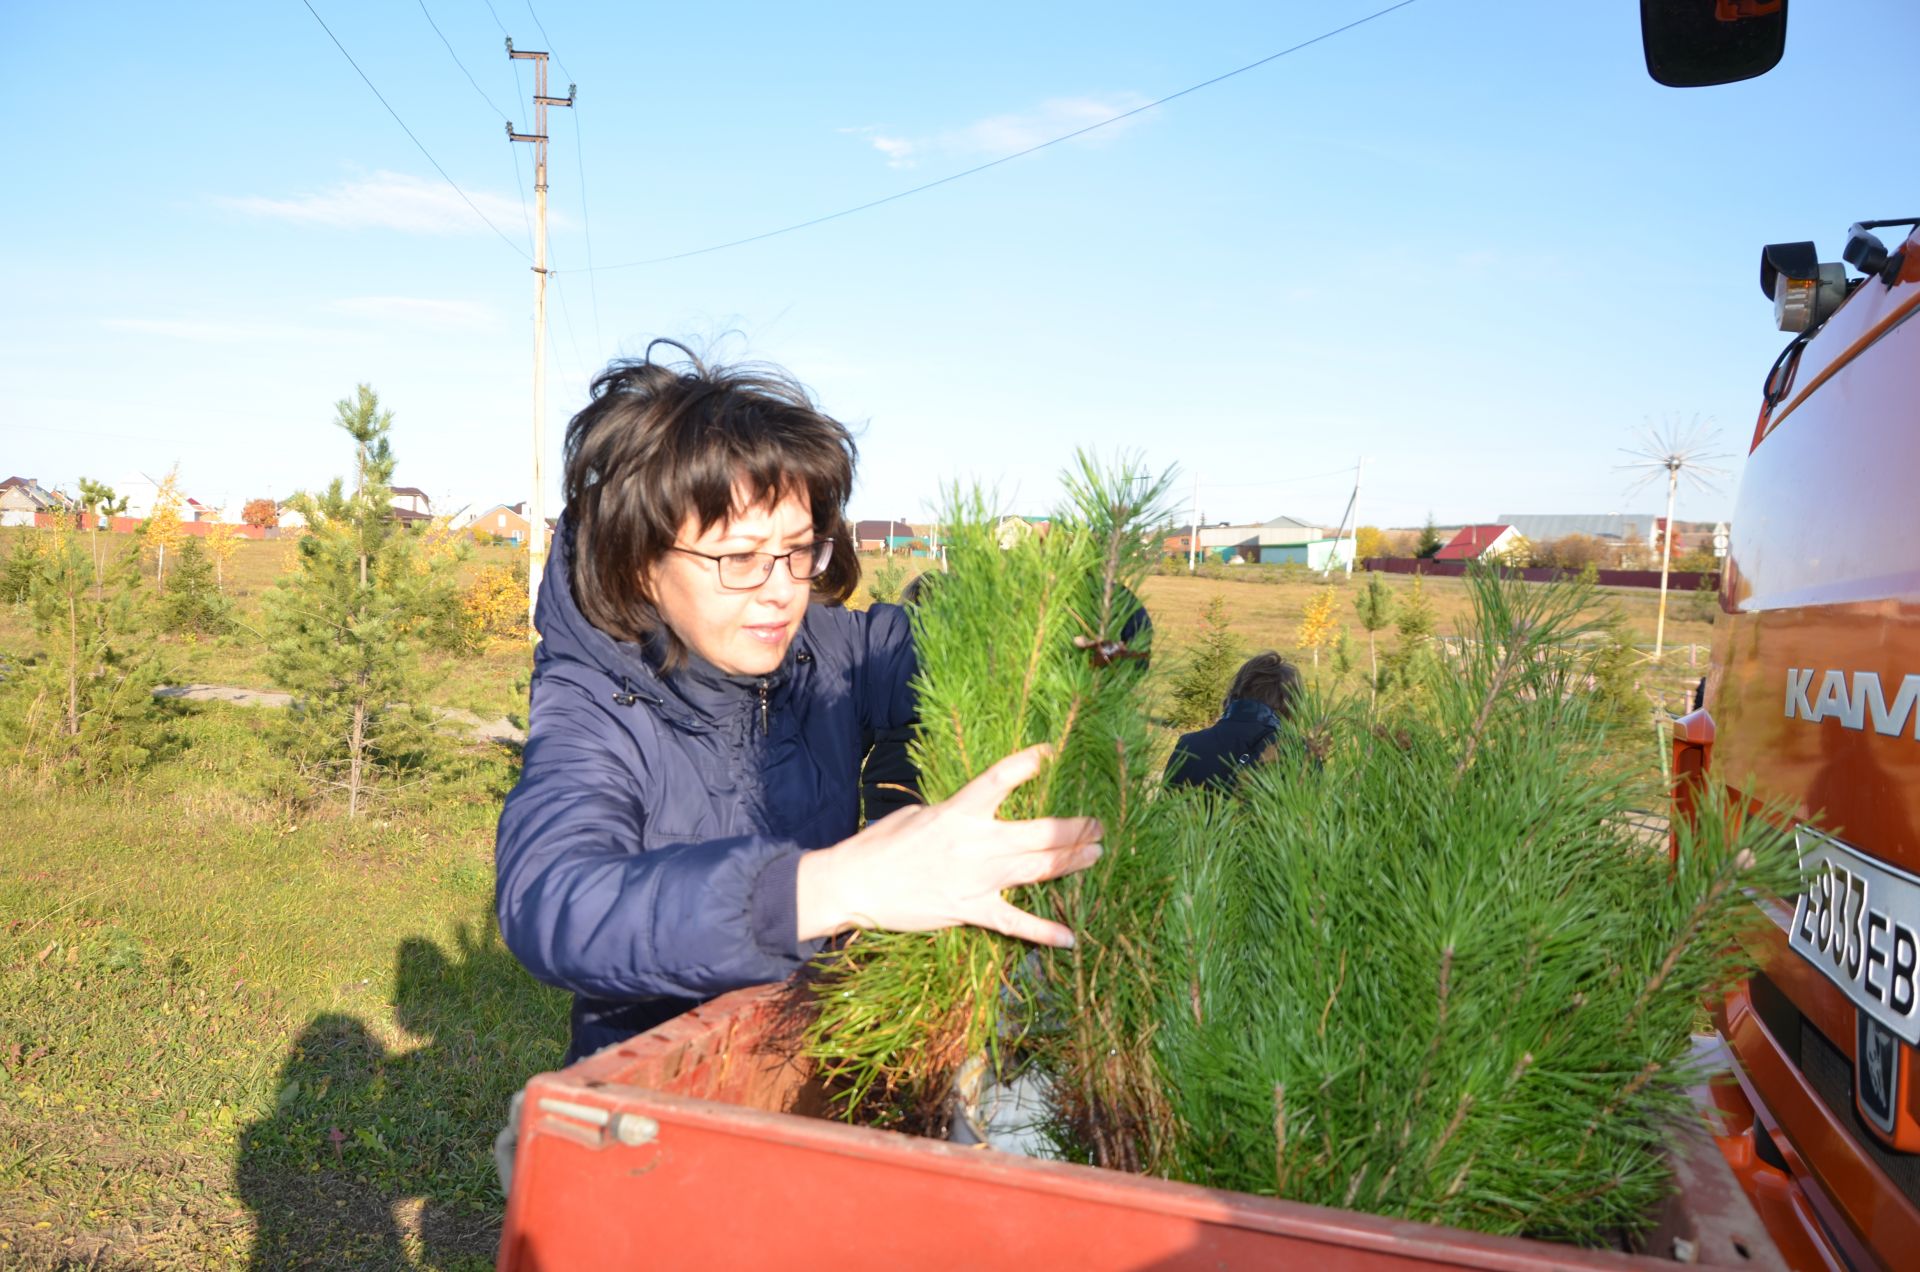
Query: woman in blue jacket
[686,816]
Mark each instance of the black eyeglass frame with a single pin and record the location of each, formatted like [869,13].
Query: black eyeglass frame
[821,548]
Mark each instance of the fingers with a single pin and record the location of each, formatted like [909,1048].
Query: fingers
[1012,921]
[1035,867]
[985,793]
[1047,832]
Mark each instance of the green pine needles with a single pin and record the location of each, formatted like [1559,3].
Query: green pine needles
[1423,964]
[83,707]
[1016,646]
[1436,973]
[345,625]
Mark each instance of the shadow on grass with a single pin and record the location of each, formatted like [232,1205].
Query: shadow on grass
[376,1158]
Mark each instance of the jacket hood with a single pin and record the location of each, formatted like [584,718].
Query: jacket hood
[1247,711]
[695,694]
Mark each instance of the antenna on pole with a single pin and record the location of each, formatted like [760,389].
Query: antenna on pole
[536,502]
[1673,452]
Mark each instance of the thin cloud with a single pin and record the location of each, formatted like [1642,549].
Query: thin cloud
[1006,134]
[420,311]
[388,200]
[196,331]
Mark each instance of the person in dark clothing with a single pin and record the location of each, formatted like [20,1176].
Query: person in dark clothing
[888,779]
[1260,699]
[686,819]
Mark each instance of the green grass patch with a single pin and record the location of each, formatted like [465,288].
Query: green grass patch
[232,1027]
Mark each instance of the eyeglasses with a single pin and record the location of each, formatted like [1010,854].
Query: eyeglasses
[744,571]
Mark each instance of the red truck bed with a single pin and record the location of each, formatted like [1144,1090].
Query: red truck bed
[701,1144]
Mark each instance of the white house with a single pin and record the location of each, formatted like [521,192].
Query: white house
[141,491]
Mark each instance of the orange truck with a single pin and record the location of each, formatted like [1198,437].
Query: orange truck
[1814,698]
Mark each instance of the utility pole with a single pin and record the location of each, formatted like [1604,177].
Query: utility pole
[536,503]
[1193,539]
[1351,515]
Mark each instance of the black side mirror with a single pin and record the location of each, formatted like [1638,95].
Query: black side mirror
[1690,43]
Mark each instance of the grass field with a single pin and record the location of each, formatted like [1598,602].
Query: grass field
[236,1029]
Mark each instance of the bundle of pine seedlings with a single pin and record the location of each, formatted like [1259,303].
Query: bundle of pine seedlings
[1425,964]
[1019,642]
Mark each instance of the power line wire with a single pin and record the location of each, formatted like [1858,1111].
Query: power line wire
[494,106]
[462,65]
[541,27]
[496,20]
[403,128]
[586,222]
[1018,154]
[566,313]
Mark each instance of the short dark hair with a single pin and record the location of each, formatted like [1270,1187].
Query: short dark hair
[661,443]
[1270,679]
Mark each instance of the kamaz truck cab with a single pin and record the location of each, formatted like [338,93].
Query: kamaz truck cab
[1811,712]
[1814,698]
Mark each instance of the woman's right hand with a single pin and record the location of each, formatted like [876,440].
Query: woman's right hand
[945,865]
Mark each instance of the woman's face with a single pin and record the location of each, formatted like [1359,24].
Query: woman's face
[742,633]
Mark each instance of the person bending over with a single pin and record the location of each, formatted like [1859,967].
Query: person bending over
[686,816]
[1262,696]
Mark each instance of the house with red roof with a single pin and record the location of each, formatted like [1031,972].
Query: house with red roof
[1475,543]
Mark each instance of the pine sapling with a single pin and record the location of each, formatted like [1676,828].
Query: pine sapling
[1200,683]
[345,622]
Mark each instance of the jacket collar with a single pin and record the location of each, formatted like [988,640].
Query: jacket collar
[1247,711]
[711,695]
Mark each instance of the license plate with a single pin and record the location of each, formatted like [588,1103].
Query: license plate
[1858,921]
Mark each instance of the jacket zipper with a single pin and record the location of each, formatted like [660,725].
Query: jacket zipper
[764,728]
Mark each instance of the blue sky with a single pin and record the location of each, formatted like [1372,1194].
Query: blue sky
[1478,248]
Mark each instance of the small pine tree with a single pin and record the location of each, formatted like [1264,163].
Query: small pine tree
[343,625]
[1618,697]
[1375,606]
[1430,541]
[191,600]
[887,580]
[1416,621]
[81,708]
[1200,685]
[100,503]
[1316,624]
[1414,662]
[1704,604]
[1344,656]
[23,566]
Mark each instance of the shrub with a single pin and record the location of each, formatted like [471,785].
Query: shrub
[494,605]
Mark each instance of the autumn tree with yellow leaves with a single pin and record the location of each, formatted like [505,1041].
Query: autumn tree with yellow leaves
[1316,625]
[163,525]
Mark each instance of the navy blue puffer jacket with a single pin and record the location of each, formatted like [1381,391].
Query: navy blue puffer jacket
[647,858]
